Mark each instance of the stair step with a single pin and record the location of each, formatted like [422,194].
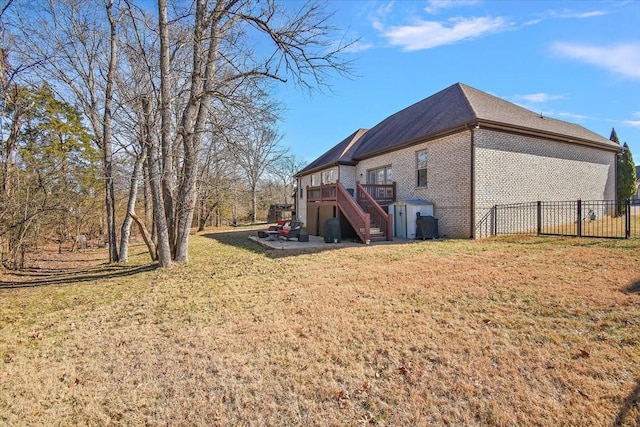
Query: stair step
[372,230]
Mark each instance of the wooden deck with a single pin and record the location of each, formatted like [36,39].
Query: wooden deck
[383,194]
[363,209]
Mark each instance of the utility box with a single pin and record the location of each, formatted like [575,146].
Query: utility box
[426,227]
[405,214]
[303,237]
[332,231]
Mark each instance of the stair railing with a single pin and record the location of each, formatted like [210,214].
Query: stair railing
[360,220]
[379,217]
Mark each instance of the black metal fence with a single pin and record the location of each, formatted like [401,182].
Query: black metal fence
[580,218]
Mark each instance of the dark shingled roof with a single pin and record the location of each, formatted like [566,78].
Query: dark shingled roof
[340,154]
[457,106]
[448,111]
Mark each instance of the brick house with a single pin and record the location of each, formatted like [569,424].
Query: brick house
[459,151]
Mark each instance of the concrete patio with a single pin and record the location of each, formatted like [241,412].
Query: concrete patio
[314,242]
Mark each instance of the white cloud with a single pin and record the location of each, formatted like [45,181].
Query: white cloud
[572,116]
[430,34]
[381,14]
[579,15]
[436,6]
[358,46]
[623,58]
[538,97]
[531,22]
[634,123]
[591,14]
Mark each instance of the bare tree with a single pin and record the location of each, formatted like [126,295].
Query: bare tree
[223,61]
[284,170]
[107,135]
[204,69]
[255,150]
[215,180]
[137,89]
[159,173]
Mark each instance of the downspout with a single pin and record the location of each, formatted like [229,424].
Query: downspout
[296,198]
[615,179]
[473,182]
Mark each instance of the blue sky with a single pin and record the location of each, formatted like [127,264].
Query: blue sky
[577,61]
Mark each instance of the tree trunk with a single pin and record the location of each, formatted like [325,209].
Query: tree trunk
[110,198]
[148,201]
[205,215]
[125,230]
[186,199]
[165,128]
[184,214]
[10,146]
[254,203]
[153,164]
[193,123]
[153,252]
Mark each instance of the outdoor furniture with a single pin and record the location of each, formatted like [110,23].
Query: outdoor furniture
[273,234]
[291,230]
[281,223]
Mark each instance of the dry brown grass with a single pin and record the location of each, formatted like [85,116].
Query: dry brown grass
[608,226]
[507,331]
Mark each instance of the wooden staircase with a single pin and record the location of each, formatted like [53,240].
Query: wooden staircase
[381,226]
[368,219]
[375,234]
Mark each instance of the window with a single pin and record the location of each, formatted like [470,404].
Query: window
[327,177]
[379,176]
[421,167]
[313,180]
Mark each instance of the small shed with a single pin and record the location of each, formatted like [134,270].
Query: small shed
[405,213]
[278,212]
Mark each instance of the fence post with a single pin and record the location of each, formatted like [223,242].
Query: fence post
[627,219]
[539,217]
[579,219]
[494,232]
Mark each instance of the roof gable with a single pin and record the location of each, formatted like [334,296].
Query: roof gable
[340,154]
[443,110]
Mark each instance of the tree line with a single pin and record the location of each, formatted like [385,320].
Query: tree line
[102,100]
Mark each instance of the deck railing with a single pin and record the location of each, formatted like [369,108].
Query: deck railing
[384,194]
[322,193]
[370,205]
